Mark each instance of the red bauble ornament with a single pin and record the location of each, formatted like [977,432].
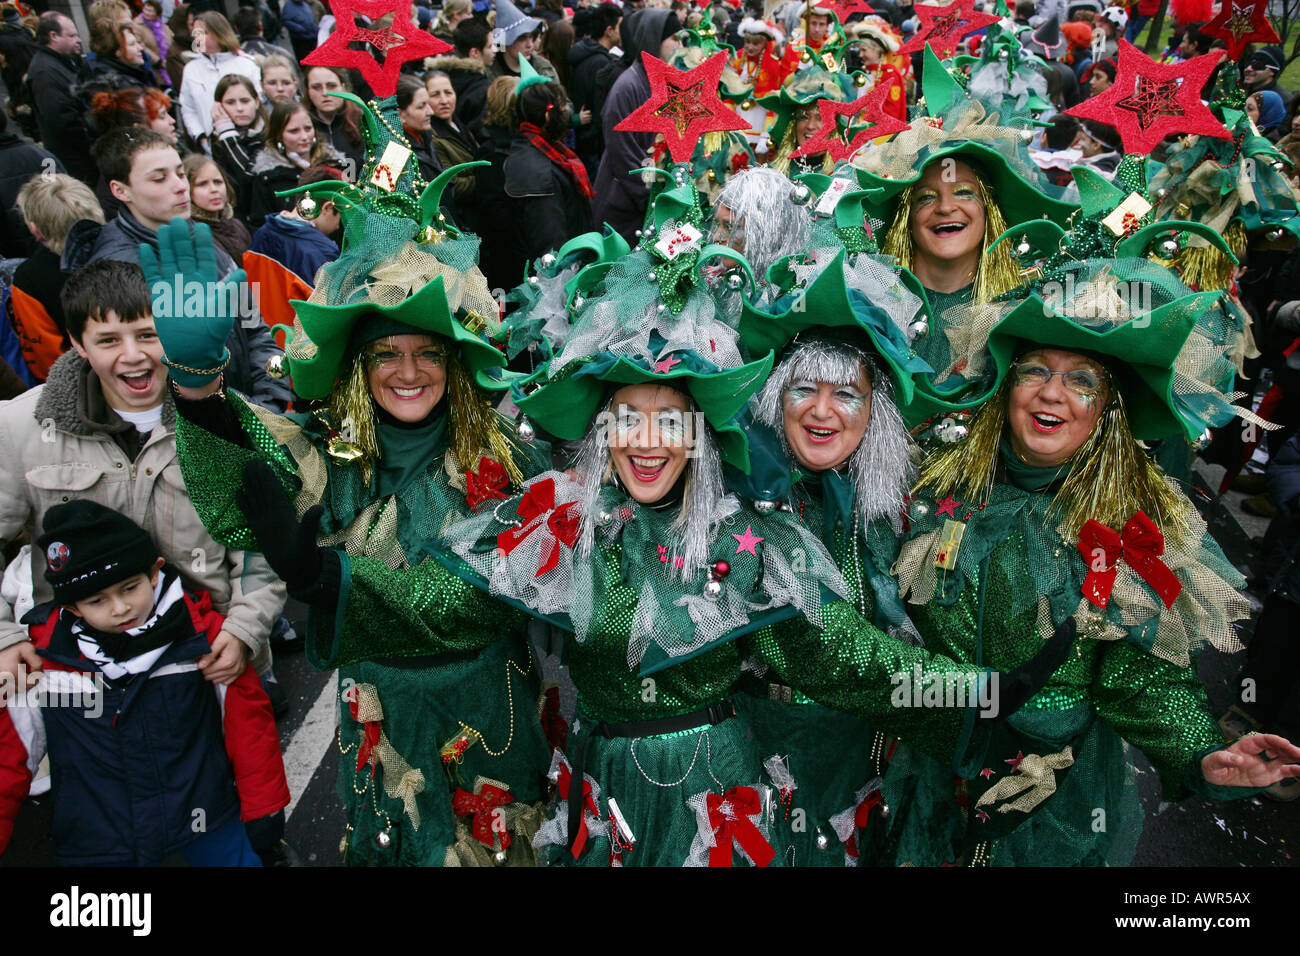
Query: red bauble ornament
[868,109]
[400,43]
[1149,101]
[943,27]
[1240,22]
[683,105]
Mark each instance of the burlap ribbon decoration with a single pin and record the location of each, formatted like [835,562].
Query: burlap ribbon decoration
[1034,781]
[401,780]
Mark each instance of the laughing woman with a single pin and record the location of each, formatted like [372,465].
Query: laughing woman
[402,438]
[1051,511]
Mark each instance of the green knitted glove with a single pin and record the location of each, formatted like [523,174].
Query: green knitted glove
[194,309]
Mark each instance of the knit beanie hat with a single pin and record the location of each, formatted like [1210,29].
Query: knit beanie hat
[89,547]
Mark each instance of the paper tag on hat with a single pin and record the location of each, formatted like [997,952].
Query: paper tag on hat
[390,166]
[832,196]
[1133,205]
[677,241]
[620,822]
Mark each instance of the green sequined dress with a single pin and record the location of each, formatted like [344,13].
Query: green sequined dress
[827,766]
[1130,680]
[450,721]
[648,645]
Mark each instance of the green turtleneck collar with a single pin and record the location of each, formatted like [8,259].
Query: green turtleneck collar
[1027,477]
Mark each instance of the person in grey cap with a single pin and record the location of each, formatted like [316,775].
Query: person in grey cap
[516,35]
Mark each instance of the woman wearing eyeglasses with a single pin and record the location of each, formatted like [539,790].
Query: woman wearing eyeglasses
[395,435]
[1052,510]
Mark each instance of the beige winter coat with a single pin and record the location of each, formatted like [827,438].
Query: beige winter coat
[51,453]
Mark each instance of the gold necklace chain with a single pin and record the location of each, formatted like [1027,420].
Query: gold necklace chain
[510,697]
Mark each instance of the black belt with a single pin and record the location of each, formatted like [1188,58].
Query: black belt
[713,714]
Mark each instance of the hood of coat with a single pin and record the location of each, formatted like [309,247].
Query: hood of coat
[585,49]
[643,31]
[453,64]
[61,399]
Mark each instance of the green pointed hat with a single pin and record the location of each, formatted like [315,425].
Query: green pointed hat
[803,88]
[955,126]
[567,405]
[317,357]
[1141,352]
[828,303]
[528,76]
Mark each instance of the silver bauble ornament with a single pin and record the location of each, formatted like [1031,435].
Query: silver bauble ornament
[308,207]
[275,366]
[533,280]
[959,432]
[712,590]
[919,328]
[1022,249]
[1169,247]
[822,841]
[547,261]
[499,857]
[735,281]
[578,302]
[383,839]
[765,507]
[603,518]
[651,277]
[800,194]
[525,430]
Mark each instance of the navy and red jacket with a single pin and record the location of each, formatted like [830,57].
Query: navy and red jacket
[145,765]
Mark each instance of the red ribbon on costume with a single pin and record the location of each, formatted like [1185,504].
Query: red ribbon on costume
[490,482]
[860,817]
[369,740]
[587,804]
[561,524]
[480,806]
[729,817]
[1140,544]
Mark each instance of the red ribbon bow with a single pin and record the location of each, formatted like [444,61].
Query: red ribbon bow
[587,804]
[490,482]
[1140,544]
[860,818]
[729,817]
[561,524]
[369,740]
[480,806]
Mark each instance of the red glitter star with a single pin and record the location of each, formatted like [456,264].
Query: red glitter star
[845,8]
[871,121]
[986,773]
[1240,22]
[1147,102]
[947,506]
[400,43]
[981,816]
[942,28]
[683,105]
[1015,761]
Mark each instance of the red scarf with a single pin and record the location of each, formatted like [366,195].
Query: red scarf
[560,155]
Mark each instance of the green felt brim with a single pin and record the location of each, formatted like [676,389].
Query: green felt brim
[567,407]
[330,328]
[1142,353]
[1018,200]
[824,304]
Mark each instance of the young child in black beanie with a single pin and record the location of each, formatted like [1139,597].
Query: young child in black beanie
[147,758]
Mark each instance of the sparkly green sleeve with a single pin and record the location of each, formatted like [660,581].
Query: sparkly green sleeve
[925,699]
[404,612]
[1161,709]
[213,468]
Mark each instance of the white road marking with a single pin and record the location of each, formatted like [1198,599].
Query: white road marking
[311,742]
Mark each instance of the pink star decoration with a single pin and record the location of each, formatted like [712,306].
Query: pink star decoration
[1015,761]
[1149,101]
[400,43]
[666,364]
[986,773]
[947,507]
[747,541]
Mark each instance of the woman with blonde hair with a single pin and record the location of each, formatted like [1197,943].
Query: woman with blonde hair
[453,11]
[217,53]
[280,80]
